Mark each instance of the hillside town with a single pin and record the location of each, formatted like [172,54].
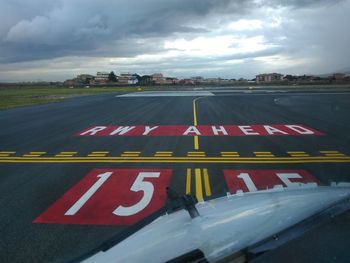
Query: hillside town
[125,79]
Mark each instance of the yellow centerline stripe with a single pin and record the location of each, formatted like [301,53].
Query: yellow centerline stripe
[188,181]
[206,182]
[199,190]
[195,123]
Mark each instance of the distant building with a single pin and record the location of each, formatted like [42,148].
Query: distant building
[69,82]
[84,78]
[125,78]
[339,76]
[101,77]
[197,79]
[157,78]
[272,77]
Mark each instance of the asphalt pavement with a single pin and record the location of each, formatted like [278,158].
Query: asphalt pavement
[62,175]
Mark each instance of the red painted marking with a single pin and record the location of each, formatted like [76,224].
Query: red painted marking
[263,179]
[201,130]
[113,193]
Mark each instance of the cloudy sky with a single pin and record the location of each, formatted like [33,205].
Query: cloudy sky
[55,40]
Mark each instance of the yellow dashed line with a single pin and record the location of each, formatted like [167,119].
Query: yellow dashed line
[98,154]
[6,154]
[163,154]
[34,154]
[66,154]
[298,154]
[188,181]
[332,153]
[229,154]
[196,155]
[129,155]
[335,154]
[263,154]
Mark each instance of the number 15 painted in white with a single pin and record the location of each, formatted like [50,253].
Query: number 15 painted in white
[139,185]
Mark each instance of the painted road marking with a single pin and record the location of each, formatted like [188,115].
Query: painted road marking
[130,154]
[229,154]
[6,154]
[255,180]
[34,154]
[298,154]
[332,153]
[195,123]
[201,177]
[163,154]
[200,130]
[206,182]
[263,154]
[98,154]
[188,181]
[110,197]
[199,190]
[66,154]
[196,154]
[186,159]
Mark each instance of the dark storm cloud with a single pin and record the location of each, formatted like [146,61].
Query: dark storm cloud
[39,29]
[83,26]
[32,30]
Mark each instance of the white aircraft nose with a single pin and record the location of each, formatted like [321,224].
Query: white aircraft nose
[225,226]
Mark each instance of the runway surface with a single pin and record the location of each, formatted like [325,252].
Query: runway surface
[69,172]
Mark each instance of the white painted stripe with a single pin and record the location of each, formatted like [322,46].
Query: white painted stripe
[82,200]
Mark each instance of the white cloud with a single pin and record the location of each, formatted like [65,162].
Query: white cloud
[245,24]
